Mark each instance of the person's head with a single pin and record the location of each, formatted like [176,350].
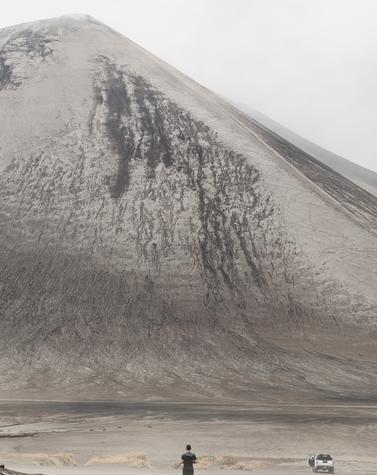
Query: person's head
[188,447]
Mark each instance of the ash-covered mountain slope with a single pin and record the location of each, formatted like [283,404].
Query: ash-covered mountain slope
[296,144]
[154,246]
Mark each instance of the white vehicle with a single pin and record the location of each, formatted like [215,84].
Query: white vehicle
[321,463]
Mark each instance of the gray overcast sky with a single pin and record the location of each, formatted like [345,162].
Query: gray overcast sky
[309,64]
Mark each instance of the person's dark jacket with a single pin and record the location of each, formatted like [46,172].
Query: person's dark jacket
[188,458]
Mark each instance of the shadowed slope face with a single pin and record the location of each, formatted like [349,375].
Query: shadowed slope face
[144,255]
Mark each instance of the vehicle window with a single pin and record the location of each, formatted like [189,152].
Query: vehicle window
[324,457]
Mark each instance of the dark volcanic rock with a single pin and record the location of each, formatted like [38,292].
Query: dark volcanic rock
[6,471]
[25,45]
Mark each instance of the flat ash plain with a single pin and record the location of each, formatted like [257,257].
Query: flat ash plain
[59,438]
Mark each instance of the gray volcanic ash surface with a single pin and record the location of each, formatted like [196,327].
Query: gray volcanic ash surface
[281,138]
[154,246]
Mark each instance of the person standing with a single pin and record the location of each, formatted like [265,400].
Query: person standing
[188,460]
